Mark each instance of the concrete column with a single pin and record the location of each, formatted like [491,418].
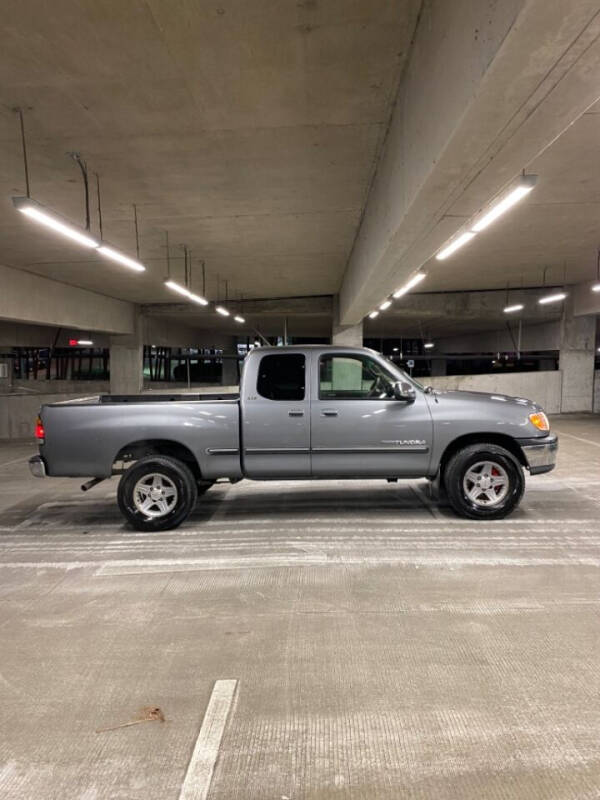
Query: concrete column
[127,360]
[229,376]
[5,374]
[347,335]
[576,360]
[438,367]
[230,372]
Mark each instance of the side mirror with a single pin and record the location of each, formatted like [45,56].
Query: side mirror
[404,391]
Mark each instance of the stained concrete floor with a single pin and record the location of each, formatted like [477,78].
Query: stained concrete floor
[383,647]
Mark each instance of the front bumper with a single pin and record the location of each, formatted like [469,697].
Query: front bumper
[540,453]
[37,467]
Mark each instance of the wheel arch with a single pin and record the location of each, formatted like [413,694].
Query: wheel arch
[133,451]
[501,439]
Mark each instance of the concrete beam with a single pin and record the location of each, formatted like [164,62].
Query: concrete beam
[535,338]
[488,87]
[25,297]
[294,306]
[584,300]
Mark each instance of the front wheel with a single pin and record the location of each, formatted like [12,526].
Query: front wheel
[484,481]
[157,493]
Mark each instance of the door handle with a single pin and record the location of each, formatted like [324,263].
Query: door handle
[329,412]
[295,413]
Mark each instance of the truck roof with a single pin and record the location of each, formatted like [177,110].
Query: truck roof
[292,347]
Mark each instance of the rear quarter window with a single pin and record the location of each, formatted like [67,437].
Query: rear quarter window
[282,377]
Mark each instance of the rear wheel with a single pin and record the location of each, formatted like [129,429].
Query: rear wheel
[484,481]
[157,493]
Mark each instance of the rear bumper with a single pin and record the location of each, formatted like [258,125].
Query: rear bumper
[37,467]
[540,454]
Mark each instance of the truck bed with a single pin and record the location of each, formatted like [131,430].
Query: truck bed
[84,438]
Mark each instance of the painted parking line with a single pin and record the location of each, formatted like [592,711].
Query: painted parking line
[198,777]
[14,461]
[579,438]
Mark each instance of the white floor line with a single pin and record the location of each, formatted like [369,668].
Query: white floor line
[198,777]
[14,461]
[579,438]
[427,502]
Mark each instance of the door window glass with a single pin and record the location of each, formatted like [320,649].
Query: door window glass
[346,377]
[281,377]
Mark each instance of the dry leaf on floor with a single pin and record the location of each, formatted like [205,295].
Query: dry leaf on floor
[146,714]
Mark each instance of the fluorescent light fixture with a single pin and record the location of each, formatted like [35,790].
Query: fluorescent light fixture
[498,207]
[222,311]
[237,318]
[525,185]
[196,298]
[120,258]
[552,298]
[428,345]
[515,307]
[373,314]
[385,305]
[177,288]
[37,212]
[596,287]
[455,245]
[85,342]
[185,292]
[410,284]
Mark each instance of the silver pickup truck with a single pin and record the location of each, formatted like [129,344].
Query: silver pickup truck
[302,412]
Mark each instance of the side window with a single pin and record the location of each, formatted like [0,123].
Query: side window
[281,377]
[348,377]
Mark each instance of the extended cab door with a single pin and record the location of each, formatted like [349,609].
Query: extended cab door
[358,428]
[275,407]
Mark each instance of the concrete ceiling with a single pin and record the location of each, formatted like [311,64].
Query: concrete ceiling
[556,228]
[249,131]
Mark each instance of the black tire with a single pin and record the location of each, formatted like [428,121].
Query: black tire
[460,487]
[166,512]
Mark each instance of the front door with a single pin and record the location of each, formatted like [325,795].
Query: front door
[276,417]
[358,428]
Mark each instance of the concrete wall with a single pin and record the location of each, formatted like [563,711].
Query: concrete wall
[18,413]
[18,410]
[597,391]
[542,387]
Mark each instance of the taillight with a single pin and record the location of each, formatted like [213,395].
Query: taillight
[40,434]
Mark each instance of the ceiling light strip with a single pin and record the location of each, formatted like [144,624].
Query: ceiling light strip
[552,298]
[485,218]
[120,258]
[55,222]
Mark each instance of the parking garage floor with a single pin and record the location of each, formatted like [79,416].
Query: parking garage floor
[382,647]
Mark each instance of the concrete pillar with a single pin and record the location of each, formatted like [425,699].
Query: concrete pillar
[5,374]
[438,367]
[576,360]
[127,359]
[230,372]
[346,335]
[229,375]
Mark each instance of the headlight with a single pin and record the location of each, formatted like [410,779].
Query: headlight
[540,420]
